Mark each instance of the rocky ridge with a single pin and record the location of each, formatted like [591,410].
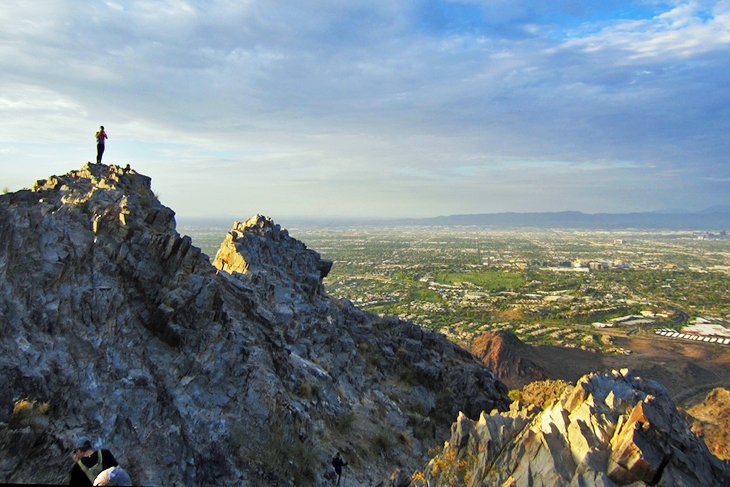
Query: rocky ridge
[609,429]
[114,326]
[508,357]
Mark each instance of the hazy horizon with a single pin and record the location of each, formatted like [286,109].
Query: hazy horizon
[353,110]
[714,219]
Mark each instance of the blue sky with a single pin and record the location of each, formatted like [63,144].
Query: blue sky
[375,108]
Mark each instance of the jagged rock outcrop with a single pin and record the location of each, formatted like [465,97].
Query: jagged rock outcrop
[508,357]
[607,430]
[274,261]
[114,326]
[710,420]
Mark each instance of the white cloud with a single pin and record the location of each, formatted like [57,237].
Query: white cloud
[335,100]
[686,30]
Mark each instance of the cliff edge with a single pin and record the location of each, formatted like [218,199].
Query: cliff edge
[245,372]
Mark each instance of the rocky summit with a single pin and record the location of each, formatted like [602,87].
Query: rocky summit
[243,371]
[610,429]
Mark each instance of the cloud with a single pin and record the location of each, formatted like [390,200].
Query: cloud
[688,29]
[332,101]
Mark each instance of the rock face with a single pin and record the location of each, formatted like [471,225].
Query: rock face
[508,357]
[611,429]
[114,326]
[711,422]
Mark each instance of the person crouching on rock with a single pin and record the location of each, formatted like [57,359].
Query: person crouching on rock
[89,463]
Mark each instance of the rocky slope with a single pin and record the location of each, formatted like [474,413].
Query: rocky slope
[609,429]
[508,357]
[710,420]
[114,326]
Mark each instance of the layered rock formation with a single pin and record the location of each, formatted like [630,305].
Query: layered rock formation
[611,429]
[508,357]
[243,373]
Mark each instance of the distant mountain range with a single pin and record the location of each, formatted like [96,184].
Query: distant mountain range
[715,218]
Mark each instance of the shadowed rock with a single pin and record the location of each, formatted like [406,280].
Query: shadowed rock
[243,373]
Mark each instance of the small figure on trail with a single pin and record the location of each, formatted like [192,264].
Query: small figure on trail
[338,463]
[100,138]
[89,463]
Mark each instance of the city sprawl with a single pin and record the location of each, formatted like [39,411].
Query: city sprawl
[568,288]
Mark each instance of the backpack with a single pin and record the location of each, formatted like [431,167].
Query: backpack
[93,471]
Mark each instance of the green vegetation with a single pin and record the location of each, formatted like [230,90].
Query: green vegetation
[464,282]
[548,287]
[489,280]
[422,294]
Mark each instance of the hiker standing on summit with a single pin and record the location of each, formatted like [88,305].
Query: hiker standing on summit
[100,138]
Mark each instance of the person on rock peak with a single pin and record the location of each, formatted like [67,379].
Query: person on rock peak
[100,138]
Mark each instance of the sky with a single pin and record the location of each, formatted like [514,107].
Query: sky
[377,108]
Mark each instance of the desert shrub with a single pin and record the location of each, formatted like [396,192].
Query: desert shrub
[373,360]
[344,421]
[385,439]
[514,395]
[25,409]
[543,392]
[445,403]
[450,469]
[418,479]
[423,427]
[308,390]
[408,374]
[30,413]
[282,453]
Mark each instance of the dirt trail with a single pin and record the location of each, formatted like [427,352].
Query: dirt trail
[683,367]
[689,370]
